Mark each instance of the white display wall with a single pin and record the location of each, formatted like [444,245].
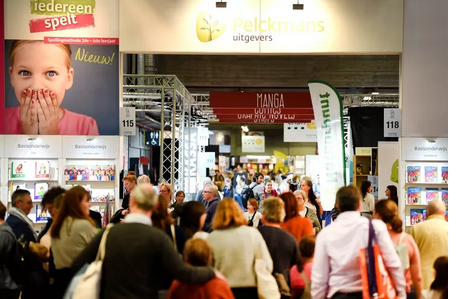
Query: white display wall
[38,163]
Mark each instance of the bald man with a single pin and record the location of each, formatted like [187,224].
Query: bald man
[431,236]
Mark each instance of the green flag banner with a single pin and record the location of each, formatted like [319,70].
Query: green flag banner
[327,107]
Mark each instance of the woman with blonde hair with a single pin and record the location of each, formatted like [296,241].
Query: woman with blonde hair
[405,245]
[166,190]
[71,231]
[229,224]
[305,211]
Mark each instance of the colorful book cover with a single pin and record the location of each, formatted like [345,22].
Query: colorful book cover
[445,174]
[42,215]
[89,173]
[42,169]
[446,215]
[18,169]
[431,194]
[417,216]
[413,195]
[445,195]
[40,190]
[413,174]
[430,174]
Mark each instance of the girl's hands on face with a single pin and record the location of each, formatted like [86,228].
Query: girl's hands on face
[48,112]
[28,112]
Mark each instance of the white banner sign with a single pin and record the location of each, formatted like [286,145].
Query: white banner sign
[327,110]
[253,144]
[127,121]
[191,156]
[19,146]
[261,26]
[101,147]
[203,136]
[300,132]
[424,149]
[392,122]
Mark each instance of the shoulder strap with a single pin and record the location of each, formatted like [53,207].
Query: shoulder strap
[401,238]
[253,216]
[102,246]
[173,233]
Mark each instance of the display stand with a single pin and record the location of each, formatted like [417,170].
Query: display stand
[425,176]
[37,163]
[32,163]
[93,163]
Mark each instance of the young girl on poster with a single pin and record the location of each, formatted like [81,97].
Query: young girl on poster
[40,75]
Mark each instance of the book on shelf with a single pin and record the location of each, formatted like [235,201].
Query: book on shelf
[39,190]
[18,169]
[42,215]
[417,216]
[42,169]
[430,174]
[413,195]
[446,215]
[445,195]
[431,194]
[413,174]
[445,174]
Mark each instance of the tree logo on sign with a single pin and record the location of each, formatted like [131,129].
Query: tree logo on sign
[208,29]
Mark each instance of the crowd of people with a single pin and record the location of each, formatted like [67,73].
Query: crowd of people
[247,241]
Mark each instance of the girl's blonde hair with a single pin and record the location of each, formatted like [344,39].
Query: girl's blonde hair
[16,45]
[228,214]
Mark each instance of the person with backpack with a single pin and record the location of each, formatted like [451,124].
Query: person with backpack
[246,192]
[405,245]
[301,273]
[9,261]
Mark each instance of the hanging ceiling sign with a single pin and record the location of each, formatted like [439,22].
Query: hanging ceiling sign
[263,118]
[265,100]
[231,111]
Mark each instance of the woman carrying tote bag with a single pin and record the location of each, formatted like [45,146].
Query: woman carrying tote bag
[246,263]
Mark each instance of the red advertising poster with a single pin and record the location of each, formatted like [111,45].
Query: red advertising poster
[61,61]
[2,65]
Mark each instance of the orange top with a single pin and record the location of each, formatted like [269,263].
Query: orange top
[299,227]
[214,288]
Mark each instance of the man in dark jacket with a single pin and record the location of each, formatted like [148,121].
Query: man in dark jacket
[211,196]
[137,271]
[37,284]
[18,220]
[9,288]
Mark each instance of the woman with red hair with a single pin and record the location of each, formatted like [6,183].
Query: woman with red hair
[293,223]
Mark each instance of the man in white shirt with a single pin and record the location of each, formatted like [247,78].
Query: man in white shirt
[336,269]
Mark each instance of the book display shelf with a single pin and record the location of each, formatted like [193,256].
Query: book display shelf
[425,176]
[38,163]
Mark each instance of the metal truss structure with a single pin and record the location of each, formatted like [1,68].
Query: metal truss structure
[164,101]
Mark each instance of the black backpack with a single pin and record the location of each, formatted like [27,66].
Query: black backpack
[246,194]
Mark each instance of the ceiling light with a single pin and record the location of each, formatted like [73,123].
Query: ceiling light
[245,129]
[220,4]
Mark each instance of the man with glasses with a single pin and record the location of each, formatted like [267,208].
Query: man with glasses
[211,196]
